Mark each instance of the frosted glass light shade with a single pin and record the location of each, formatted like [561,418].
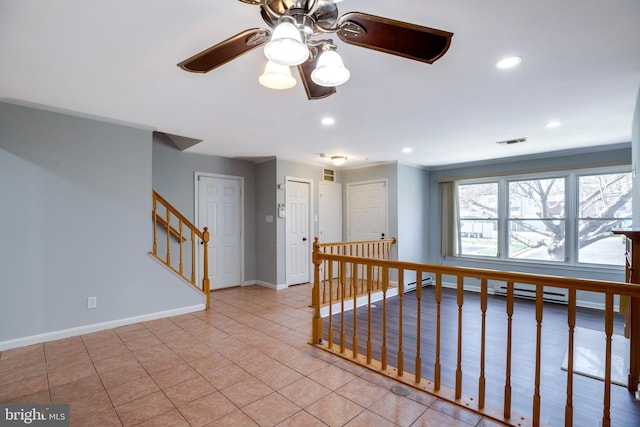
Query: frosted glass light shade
[330,70]
[338,160]
[277,76]
[286,46]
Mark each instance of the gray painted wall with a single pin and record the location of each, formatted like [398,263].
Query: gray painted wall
[173,178]
[76,197]
[413,196]
[266,240]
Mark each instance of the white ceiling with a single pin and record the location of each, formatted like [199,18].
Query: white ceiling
[116,59]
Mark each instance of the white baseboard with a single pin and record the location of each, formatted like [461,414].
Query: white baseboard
[270,285]
[87,329]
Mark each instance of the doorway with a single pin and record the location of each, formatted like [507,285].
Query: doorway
[298,230]
[367,210]
[219,207]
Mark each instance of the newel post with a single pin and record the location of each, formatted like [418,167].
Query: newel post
[205,274]
[315,295]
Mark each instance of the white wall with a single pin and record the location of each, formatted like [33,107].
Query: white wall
[75,197]
[635,154]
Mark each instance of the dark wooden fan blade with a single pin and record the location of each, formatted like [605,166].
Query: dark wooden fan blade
[395,37]
[225,51]
[313,90]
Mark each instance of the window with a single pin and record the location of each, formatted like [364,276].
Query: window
[536,221]
[559,218]
[478,219]
[604,202]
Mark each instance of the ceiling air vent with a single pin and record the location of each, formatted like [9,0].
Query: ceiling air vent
[512,141]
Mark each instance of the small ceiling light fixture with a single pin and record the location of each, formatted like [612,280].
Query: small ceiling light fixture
[277,76]
[328,121]
[338,160]
[552,124]
[407,150]
[330,70]
[509,62]
[288,44]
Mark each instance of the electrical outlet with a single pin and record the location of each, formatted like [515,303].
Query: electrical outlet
[92,302]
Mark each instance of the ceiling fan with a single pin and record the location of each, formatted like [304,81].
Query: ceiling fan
[297,37]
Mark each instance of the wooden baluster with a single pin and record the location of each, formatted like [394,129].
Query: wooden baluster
[400,361]
[343,286]
[369,289]
[460,296]
[571,321]
[354,289]
[205,281]
[155,226]
[168,257]
[418,325]
[328,277]
[316,337]
[385,286]
[536,388]
[507,384]
[354,339]
[193,257]
[180,240]
[483,337]
[608,330]
[437,368]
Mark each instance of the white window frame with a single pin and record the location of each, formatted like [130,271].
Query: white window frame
[571,214]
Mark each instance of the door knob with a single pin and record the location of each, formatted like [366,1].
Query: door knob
[304,239]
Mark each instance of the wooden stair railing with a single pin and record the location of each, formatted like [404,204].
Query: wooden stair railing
[176,229]
[362,328]
[376,249]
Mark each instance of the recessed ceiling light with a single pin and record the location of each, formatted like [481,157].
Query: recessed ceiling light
[328,121]
[552,124]
[509,62]
[407,150]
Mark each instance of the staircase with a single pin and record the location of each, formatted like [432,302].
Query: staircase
[176,243]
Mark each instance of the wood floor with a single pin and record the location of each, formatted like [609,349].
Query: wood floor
[588,392]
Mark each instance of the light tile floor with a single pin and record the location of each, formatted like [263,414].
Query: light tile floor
[246,362]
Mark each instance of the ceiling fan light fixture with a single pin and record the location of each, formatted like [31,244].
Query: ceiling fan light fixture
[330,70]
[276,76]
[338,160]
[287,45]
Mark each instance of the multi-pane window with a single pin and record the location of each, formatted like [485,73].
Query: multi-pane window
[478,219]
[564,217]
[536,221]
[604,202]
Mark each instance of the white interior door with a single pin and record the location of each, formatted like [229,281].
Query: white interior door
[220,209]
[298,198]
[367,215]
[330,212]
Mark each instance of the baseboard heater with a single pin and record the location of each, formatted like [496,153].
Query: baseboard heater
[529,292]
[427,281]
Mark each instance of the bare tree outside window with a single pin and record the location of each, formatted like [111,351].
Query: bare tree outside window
[537,221]
[604,204]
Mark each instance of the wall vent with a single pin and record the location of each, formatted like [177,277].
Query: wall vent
[329,175]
